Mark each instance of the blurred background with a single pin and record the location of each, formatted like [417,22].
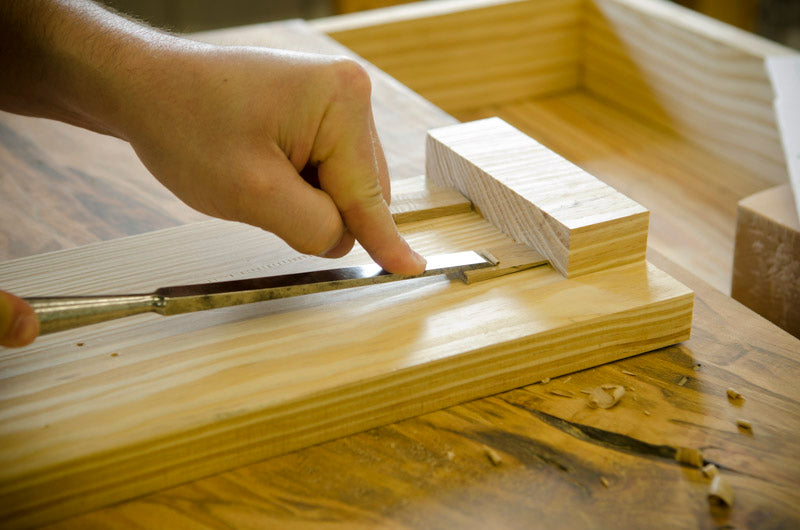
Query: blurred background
[778,20]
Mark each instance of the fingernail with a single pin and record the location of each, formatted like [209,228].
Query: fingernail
[419,259]
[25,329]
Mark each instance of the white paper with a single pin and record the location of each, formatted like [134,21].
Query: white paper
[784,71]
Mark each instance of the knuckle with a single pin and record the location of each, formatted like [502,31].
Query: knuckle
[351,77]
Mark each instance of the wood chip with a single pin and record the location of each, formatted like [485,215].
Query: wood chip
[696,367]
[604,482]
[565,381]
[689,456]
[493,456]
[720,492]
[562,393]
[605,396]
[744,424]
[450,455]
[646,412]
[710,471]
[683,380]
[586,390]
[733,395]
[628,373]
[545,380]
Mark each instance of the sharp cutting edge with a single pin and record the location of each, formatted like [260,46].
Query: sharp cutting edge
[66,312]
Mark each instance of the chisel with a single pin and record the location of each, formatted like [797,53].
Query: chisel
[66,312]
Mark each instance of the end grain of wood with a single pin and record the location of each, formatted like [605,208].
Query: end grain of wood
[493,456]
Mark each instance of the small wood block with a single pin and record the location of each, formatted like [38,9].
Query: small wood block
[766,258]
[537,197]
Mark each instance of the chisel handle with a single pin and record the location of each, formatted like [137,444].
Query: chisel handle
[57,313]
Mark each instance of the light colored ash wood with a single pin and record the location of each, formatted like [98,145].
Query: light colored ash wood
[537,197]
[454,54]
[416,198]
[766,259]
[688,73]
[691,194]
[511,257]
[201,393]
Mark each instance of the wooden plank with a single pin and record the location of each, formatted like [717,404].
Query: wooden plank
[766,259]
[122,414]
[688,73]
[537,197]
[432,471]
[453,54]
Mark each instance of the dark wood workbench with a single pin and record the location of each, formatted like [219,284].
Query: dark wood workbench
[62,187]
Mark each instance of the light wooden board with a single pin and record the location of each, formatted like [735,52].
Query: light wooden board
[688,73]
[537,197]
[150,402]
[453,53]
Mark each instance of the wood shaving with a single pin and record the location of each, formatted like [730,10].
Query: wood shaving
[565,381]
[689,456]
[646,412]
[720,492]
[733,395]
[710,471]
[450,455]
[586,391]
[744,424]
[683,380]
[562,393]
[696,367]
[629,373]
[605,396]
[493,456]
[545,380]
[604,482]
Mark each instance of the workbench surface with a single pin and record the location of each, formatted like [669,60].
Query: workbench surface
[525,458]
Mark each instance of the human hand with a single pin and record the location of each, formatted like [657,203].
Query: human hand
[18,323]
[229,130]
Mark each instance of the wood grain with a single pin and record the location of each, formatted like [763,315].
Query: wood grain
[537,197]
[766,260]
[432,471]
[688,73]
[81,427]
[691,194]
[453,53]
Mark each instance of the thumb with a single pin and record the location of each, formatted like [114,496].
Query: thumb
[18,323]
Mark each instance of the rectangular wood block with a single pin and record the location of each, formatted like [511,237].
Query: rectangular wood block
[579,223]
[766,258]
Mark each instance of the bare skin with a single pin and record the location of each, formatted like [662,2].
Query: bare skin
[227,129]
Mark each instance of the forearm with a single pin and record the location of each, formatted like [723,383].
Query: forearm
[76,62]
